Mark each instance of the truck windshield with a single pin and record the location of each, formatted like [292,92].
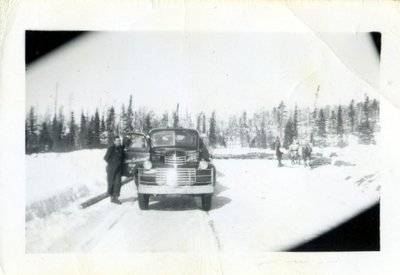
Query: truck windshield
[174,138]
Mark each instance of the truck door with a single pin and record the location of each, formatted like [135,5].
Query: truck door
[137,150]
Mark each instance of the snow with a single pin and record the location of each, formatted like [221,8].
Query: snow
[257,206]
[54,180]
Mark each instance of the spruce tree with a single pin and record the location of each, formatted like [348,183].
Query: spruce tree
[45,137]
[72,133]
[288,137]
[122,120]
[263,135]
[352,117]
[31,132]
[365,130]
[102,124]
[204,123]
[339,125]
[374,115]
[332,123]
[110,125]
[295,122]
[321,124]
[56,134]
[281,118]
[176,117]
[83,132]
[198,126]
[96,130]
[165,120]
[147,123]
[213,134]
[128,118]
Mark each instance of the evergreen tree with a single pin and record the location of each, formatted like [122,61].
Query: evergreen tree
[83,132]
[263,135]
[198,126]
[102,124]
[204,123]
[188,120]
[332,123]
[90,133]
[223,140]
[213,134]
[45,137]
[176,117]
[244,130]
[280,118]
[103,132]
[374,115]
[110,125]
[128,118]
[366,135]
[56,135]
[314,125]
[339,125]
[147,123]
[295,122]
[340,128]
[122,120]
[289,133]
[165,120]
[321,124]
[352,117]
[96,130]
[31,138]
[70,139]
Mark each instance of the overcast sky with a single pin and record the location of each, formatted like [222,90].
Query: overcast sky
[226,72]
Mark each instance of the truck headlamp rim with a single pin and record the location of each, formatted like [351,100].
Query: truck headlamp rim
[147,165]
[203,164]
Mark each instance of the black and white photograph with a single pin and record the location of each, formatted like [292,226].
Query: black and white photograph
[218,137]
[189,141]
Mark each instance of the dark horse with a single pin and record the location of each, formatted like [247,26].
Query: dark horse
[306,154]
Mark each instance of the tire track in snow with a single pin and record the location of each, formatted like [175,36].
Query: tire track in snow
[104,228]
[214,231]
[217,241]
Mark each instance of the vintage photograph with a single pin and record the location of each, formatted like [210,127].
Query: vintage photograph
[187,142]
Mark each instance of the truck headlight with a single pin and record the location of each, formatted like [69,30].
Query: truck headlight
[147,165]
[203,164]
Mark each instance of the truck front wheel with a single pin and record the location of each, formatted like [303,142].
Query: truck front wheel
[143,201]
[206,202]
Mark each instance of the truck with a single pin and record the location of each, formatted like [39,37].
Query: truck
[170,161]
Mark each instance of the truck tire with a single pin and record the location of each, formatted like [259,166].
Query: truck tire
[206,202]
[143,201]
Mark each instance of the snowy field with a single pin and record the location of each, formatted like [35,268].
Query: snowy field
[257,207]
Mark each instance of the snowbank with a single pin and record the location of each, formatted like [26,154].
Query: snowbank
[55,180]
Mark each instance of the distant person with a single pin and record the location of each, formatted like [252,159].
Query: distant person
[278,151]
[114,158]
[294,151]
[306,150]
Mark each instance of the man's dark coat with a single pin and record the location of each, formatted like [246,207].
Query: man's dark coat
[115,159]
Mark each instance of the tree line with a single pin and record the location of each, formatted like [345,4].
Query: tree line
[326,126]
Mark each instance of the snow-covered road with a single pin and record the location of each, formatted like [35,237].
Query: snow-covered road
[258,207]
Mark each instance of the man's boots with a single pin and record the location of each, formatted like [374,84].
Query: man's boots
[115,200]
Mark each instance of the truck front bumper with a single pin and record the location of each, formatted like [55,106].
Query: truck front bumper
[165,189]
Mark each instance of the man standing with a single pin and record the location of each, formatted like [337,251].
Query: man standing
[278,151]
[114,158]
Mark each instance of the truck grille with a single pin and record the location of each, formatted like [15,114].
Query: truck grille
[175,160]
[178,176]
